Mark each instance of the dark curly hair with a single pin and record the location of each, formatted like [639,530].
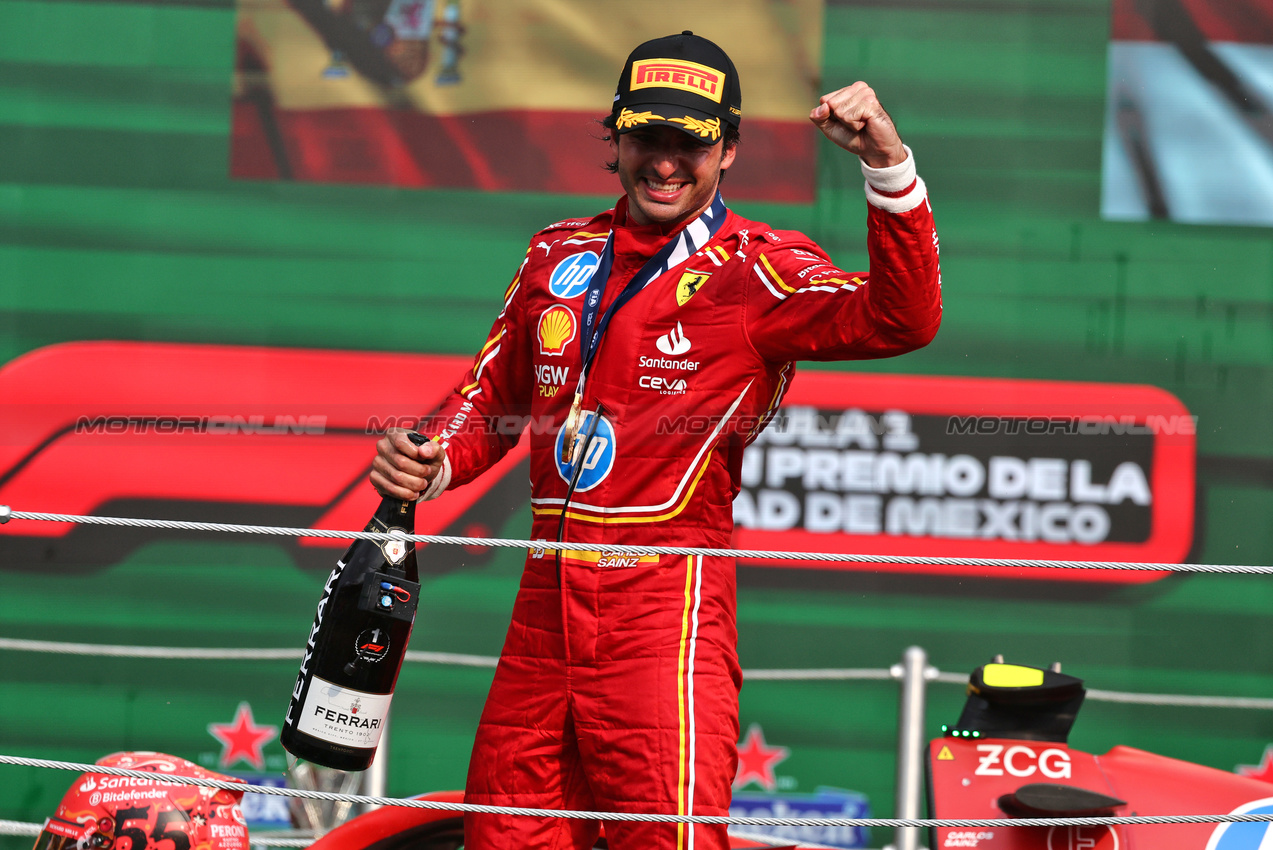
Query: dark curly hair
[732,139]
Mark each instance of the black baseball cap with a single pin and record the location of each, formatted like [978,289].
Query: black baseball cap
[683,81]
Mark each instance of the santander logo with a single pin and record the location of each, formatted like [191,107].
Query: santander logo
[673,343]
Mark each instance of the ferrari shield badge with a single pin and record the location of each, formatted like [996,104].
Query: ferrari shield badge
[395,550]
[691,282]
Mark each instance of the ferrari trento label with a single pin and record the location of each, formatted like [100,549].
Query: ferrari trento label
[342,715]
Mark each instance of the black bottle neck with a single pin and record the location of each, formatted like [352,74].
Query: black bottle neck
[395,513]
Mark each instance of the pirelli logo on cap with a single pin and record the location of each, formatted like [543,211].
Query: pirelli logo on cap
[678,74]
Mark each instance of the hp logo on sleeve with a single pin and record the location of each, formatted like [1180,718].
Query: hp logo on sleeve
[570,278]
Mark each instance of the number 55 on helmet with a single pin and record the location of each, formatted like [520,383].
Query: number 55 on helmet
[104,812]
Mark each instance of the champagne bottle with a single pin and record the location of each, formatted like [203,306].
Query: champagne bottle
[356,646]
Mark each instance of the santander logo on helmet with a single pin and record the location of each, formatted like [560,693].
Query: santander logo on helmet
[99,809]
[674,343]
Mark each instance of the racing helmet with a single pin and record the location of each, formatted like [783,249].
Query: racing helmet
[105,812]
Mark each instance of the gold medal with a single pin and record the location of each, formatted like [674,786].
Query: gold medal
[571,428]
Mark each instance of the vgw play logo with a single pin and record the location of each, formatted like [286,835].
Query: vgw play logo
[757,760]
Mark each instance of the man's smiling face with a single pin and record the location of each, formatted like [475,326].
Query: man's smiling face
[669,176]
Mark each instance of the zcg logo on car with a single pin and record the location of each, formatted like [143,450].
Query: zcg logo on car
[1020,760]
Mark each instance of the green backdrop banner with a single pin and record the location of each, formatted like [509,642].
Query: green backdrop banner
[119,222]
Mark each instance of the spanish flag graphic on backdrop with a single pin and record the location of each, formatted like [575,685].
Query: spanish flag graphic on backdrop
[500,95]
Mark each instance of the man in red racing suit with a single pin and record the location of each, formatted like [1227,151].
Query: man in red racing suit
[617,689]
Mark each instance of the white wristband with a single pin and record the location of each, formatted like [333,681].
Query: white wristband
[893,179]
[438,486]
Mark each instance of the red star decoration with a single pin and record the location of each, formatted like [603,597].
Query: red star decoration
[757,760]
[242,738]
[1263,770]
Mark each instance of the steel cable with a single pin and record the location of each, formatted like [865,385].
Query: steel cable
[888,823]
[846,674]
[611,548]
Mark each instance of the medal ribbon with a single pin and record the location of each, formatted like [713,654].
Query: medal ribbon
[675,252]
[695,235]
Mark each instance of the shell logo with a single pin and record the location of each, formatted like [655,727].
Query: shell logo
[557,327]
